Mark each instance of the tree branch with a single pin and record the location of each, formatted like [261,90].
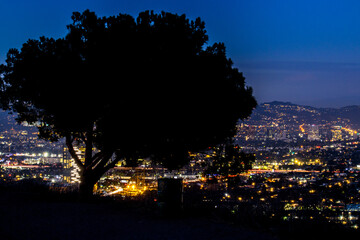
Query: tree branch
[112,164]
[101,167]
[88,147]
[105,160]
[95,160]
[72,152]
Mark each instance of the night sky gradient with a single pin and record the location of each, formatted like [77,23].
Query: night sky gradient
[306,52]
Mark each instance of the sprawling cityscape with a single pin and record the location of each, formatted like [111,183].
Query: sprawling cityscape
[180,120]
[307,166]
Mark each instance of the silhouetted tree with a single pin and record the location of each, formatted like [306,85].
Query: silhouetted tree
[130,88]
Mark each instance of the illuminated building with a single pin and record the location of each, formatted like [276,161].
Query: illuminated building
[66,160]
[336,135]
[69,163]
[313,133]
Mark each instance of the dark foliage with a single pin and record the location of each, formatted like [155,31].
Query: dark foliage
[230,160]
[131,88]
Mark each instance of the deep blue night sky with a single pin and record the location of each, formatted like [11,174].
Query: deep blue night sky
[306,52]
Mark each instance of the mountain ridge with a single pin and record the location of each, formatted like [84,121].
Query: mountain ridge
[287,112]
[301,105]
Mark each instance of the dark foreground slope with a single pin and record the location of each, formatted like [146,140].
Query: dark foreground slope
[42,214]
[23,217]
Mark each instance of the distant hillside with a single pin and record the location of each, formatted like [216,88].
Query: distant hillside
[7,121]
[351,112]
[289,113]
[273,111]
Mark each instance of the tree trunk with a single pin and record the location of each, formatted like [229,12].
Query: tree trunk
[93,167]
[86,186]
[170,194]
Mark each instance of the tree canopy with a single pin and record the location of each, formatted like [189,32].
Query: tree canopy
[149,87]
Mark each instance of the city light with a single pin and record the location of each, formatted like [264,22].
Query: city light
[296,163]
